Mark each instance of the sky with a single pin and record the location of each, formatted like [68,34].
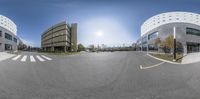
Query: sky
[109,22]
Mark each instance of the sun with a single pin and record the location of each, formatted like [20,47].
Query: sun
[99,34]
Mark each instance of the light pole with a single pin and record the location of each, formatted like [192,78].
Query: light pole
[174,30]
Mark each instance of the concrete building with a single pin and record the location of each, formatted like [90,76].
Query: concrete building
[187,28]
[61,37]
[8,34]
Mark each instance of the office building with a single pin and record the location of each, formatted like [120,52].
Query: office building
[8,34]
[61,37]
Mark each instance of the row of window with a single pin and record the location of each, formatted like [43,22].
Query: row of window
[154,35]
[151,36]
[9,37]
[154,22]
[192,31]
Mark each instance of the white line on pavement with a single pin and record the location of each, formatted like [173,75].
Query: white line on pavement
[151,66]
[32,59]
[162,59]
[15,58]
[40,58]
[24,58]
[46,57]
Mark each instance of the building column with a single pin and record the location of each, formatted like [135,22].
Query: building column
[185,50]
[52,48]
[65,49]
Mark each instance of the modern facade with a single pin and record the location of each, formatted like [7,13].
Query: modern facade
[61,37]
[8,34]
[187,28]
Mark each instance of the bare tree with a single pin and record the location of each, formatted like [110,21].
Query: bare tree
[157,42]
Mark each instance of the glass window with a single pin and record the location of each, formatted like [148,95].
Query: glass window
[0,33]
[15,40]
[144,40]
[152,47]
[152,35]
[192,31]
[8,36]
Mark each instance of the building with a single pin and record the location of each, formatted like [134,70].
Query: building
[185,24]
[61,37]
[8,34]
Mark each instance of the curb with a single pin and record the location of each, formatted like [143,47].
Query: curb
[162,59]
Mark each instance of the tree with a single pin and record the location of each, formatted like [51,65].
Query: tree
[167,45]
[81,47]
[157,42]
[179,47]
[169,42]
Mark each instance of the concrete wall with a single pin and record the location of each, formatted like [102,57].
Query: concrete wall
[181,36]
[4,41]
[60,36]
[74,37]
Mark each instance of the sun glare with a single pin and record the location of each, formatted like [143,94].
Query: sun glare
[99,34]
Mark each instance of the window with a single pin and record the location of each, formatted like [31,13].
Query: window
[152,47]
[8,36]
[0,33]
[15,40]
[192,31]
[144,40]
[152,35]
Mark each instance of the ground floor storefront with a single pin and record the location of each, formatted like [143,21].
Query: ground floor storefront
[57,49]
[190,47]
[193,47]
[8,47]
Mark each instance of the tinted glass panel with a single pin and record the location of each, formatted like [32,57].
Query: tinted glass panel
[192,31]
[144,40]
[15,40]
[152,35]
[0,33]
[8,36]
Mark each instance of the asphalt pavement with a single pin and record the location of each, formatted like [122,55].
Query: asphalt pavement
[104,75]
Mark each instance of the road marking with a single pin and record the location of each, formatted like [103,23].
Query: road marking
[162,59]
[151,66]
[24,58]
[15,58]
[40,58]
[46,57]
[32,59]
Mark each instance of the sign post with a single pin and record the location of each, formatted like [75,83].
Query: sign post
[174,30]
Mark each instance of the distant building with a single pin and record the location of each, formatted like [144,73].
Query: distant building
[61,37]
[8,34]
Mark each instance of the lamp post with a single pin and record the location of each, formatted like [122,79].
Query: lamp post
[174,30]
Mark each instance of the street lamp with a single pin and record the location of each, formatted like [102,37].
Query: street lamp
[174,30]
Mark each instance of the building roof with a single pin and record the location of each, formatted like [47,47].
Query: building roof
[169,17]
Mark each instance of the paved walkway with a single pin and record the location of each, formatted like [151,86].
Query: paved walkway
[5,55]
[191,58]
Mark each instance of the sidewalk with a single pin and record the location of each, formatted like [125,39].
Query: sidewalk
[191,58]
[5,55]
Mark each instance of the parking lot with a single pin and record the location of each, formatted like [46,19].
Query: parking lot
[104,75]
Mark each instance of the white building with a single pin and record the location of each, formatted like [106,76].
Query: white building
[187,28]
[8,34]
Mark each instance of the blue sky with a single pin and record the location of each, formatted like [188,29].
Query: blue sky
[118,21]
